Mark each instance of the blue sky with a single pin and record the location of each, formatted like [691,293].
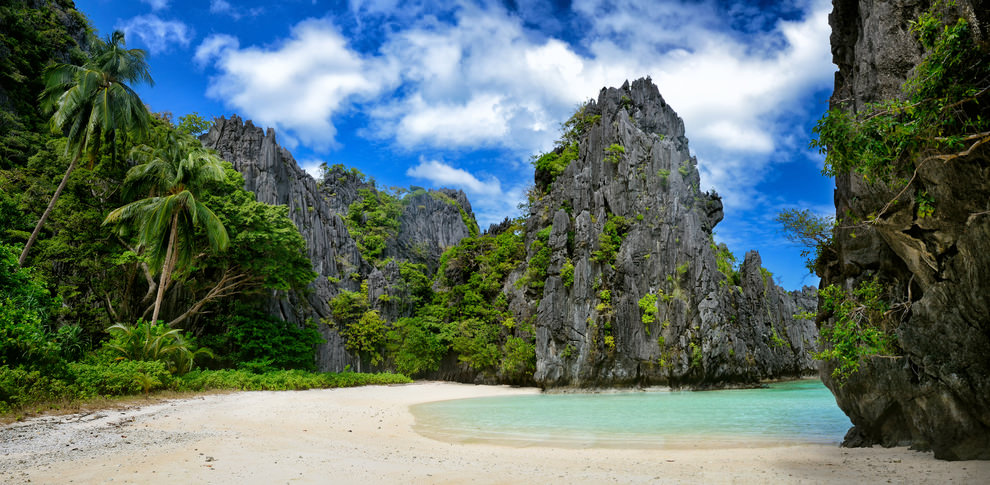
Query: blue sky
[462,94]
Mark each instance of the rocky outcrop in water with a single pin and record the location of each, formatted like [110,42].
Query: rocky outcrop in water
[430,222]
[936,394]
[634,294]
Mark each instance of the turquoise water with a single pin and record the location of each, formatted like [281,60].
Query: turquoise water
[787,413]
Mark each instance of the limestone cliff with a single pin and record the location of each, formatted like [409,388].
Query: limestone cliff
[430,222]
[633,293]
[617,279]
[936,393]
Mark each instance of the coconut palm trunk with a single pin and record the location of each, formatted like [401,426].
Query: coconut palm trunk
[44,216]
[167,268]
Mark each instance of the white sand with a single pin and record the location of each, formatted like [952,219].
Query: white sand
[365,436]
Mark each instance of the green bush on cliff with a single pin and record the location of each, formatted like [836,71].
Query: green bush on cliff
[372,220]
[609,241]
[468,315]
[861,327]
[551,164]
[944,116]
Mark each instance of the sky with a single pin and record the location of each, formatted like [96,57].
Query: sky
[462,94]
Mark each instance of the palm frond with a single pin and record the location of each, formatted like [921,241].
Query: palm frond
[216,233]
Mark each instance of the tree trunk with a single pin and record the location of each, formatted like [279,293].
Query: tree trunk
[167,267]
[44,216]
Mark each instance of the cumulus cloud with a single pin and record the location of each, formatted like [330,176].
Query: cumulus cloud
[298,85]
[213,47]
[156,34]
[313,167]
[486,75]
[444,175]
[462,76]
[156,4]
[224,7]
[489,200]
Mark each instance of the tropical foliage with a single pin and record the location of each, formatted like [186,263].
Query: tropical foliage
[74,316]
[171,174]
[942,117]
[551,164]
[862,326]
[92,104]
[154,342]
[810,231]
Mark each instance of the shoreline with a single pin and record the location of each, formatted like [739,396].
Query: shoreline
[365,435]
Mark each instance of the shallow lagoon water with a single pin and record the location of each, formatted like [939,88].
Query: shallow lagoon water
[789,413]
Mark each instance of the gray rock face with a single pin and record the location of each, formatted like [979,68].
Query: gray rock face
[705,330]
[431,222]
[937,395]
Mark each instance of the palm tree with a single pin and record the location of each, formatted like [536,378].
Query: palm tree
[93,102]
[169,175]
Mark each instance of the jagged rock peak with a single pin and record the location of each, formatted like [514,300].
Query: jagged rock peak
[634,293]
[643,103]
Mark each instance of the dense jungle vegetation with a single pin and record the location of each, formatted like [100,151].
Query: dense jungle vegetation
[129,254]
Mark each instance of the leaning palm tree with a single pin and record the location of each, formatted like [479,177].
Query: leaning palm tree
[169,175]
[91,103]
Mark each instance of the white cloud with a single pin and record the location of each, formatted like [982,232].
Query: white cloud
[298,85]
[156,4]
[729,89]
[476,76]
[213,47]
[444,175]
[157,34]
[224,7]
[312,167]
[489,201]
[485,74]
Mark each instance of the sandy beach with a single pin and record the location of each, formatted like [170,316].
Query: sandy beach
[365,435]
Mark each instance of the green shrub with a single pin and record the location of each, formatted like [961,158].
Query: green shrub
[648,305]
[520,358]
[609,241]
[725,261]
[696,355]
[567,273]
[775,338]
[861,327]
[551,164]
[417,345]
[372,220]
[26,308]
[20,387]
[287,380]
[614,152]
[154,342]
[118,378]
[258,338]
[664,175]
[476,344]
[367,336]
